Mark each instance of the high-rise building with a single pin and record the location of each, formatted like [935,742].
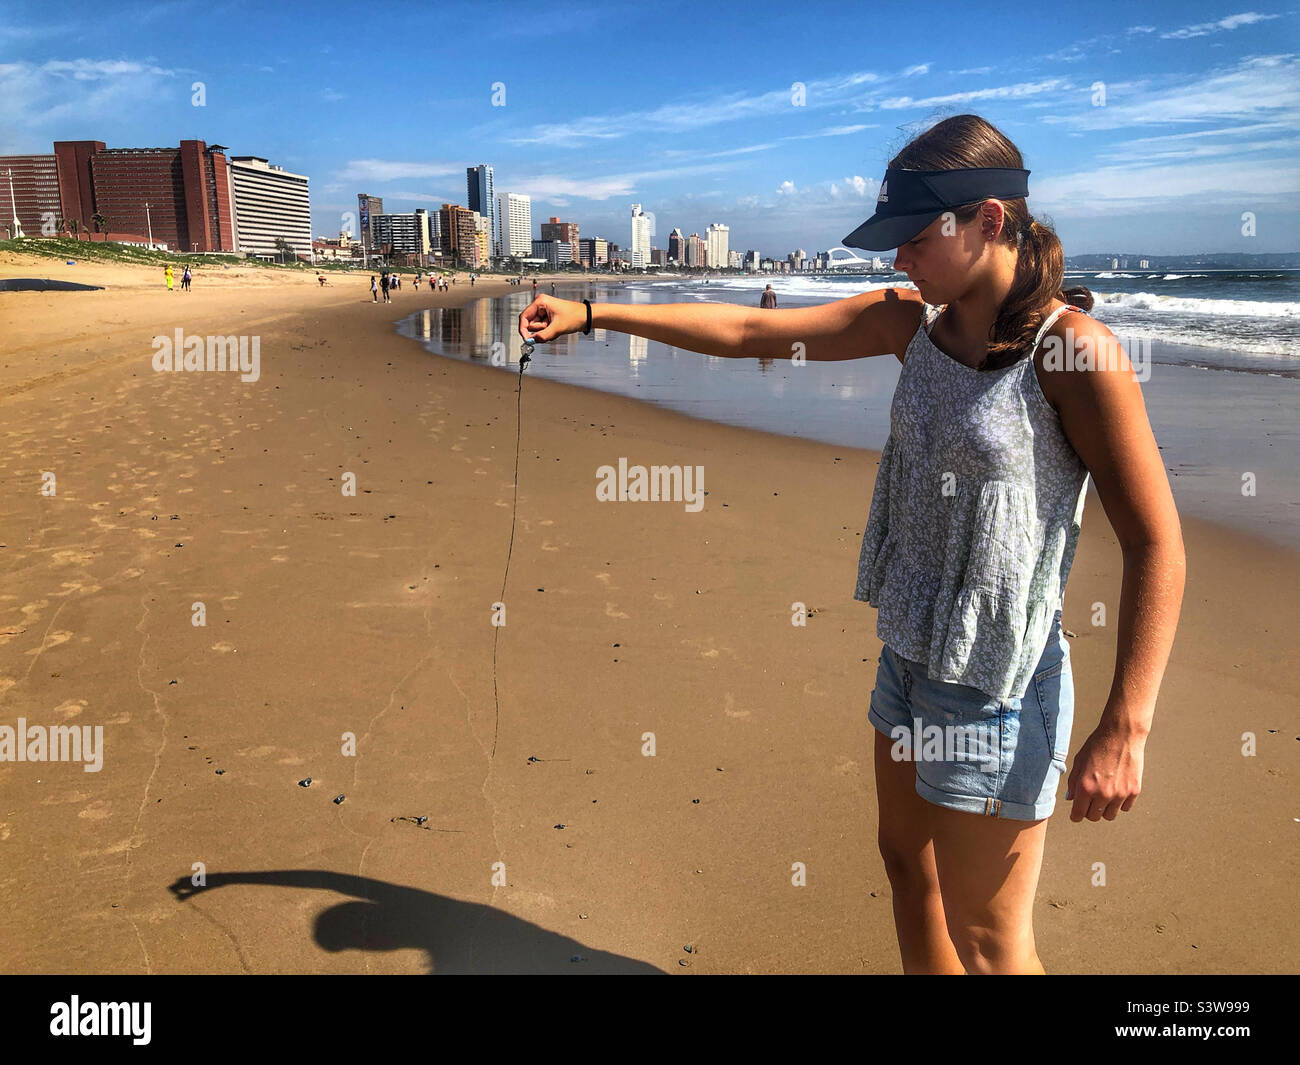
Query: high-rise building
[483,238]
[29,188]
[555,252]
[677,247]
[367,208]
[482,198]
[562,231]
[402,234]
[640,255]
[515,224]
[659,256]
[593,252]
[751,260]
[272,205]
[715,255]
[696,251]
[457,234]
[182,194]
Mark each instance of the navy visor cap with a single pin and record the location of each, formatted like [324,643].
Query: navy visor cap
[910,200]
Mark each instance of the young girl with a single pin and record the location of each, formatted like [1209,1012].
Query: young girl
[997,420]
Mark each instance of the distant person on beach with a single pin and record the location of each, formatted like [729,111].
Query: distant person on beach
[1009,399]
[768,299]
[167,276]
[374,289]
[534,288]
[552,288]
[385,284]
[185,279]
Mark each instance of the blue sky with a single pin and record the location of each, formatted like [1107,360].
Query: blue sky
[688,108]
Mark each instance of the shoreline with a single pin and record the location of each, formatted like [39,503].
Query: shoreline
[1204,465]
[369,615]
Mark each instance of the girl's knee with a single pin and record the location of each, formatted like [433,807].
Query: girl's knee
[985,950]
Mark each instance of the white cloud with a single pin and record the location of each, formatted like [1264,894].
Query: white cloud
[1105,191]
[1258,87]
[99,69]
[39,101]
[1204,29]
[1000,92]
[559,188]
[389,170]
[681,116]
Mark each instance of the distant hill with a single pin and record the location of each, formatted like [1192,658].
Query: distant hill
[1212,261]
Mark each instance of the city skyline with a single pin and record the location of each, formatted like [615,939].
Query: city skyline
[1157,129]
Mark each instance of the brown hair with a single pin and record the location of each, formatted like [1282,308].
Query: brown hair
[963,141]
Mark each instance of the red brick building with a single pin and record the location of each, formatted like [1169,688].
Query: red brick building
[187,190]
[35,192]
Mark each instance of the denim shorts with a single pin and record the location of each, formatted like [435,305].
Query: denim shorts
[975,752]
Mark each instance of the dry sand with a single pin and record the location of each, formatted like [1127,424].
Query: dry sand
[370,615]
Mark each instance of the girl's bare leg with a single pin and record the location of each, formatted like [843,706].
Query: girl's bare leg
[906,843]
[988,875]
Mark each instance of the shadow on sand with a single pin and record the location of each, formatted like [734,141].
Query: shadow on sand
[457,937]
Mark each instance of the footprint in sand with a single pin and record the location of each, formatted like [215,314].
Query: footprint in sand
[71,555]
[729,707]
[71,587]
[52,639]
[96,811]
[70,708]
[610,612]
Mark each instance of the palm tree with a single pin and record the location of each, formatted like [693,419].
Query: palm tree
[74,227]
[101,223]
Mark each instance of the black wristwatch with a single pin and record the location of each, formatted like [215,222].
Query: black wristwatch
[588,303]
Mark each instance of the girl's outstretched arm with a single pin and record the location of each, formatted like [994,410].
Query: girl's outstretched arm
[872,323]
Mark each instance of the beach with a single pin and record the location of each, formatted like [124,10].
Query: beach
[348,639]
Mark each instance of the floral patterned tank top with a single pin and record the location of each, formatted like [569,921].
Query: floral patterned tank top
[974,519]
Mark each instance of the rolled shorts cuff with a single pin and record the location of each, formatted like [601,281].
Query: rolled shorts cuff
[1002,809]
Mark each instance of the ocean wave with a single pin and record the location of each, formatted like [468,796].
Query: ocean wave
[1108,274]
[815,289]
[1154,301]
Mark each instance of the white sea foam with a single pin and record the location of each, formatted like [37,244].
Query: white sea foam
[818,289]
[1154,301]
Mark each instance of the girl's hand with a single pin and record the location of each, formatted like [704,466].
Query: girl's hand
[1107,775]
[548,317]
